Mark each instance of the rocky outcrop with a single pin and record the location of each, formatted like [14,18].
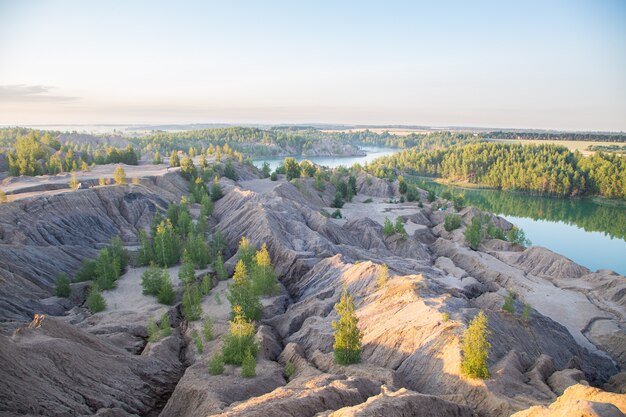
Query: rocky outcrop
[580,401]
[42,237]
[58,370]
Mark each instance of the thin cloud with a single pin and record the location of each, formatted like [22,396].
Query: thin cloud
[31,93]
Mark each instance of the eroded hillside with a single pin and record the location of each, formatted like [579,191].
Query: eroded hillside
[412,325]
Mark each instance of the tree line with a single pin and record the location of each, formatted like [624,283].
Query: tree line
[543,169]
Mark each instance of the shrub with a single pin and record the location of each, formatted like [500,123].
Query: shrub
[388,229]
[152,280]
[347,345]
[338,201]
[197,341]
[476,348]
[452,222]
[336,214]
[474,233]
[166,293]
[399,228]
[95,300]
[458,202]
[216,190]
[274,176]
[62,288]
[516,235]
[154,335]
[248,366]
[446,317]
[240,339]
[86,272]
[290,369]
[509,303]
[207,329]
[367,201]
[216,364]
[102,182]
[495,232]
[192,296]
[165,327]
[431,196]
[187,272]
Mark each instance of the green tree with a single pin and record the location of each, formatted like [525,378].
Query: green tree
[338,200]
[220,270]
[156,160]
[187,273]
[216,364]
[166,244]
[229,171]
[265,170]
[263,276]
[166,293]
[388,229]
[509,303]
[119,175]
[95,301]
[152,280]
[241,293]
[207,329]
[402,185]
[476,348]
[198,250]
[274,176]
[452,222]
[216,190]
[107,270]
[62,287]
[292,169]
[347,346]
[187,168]
[526,312]
[146,252]
[192,297]
[248,366]
[246,252]
[74,184]
[206,206]
[475,233]
[240,339]
[399,228]
[174,159]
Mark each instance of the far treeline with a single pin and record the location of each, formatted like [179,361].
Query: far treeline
[544,169]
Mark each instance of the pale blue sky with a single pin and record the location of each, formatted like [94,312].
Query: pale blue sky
[529,64]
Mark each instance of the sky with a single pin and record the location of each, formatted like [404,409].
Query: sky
[545,64]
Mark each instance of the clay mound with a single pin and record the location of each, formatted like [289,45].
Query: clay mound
[307,397]
[580,401]
[403,403]
[543,262]
[375,187]
[44,236]
[56,369]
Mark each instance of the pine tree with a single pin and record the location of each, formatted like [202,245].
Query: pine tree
[166,244]
[240,338]
[246,252]
[220,269]
[120,175]
[187,273]
[509,303]
[388,229]
[216,190]
[62,288]
[95,301]
[476,348]
[241,293]
[248,366]
[263,276]
[347,346]
[166,293]
[174,159]
[74,184]
[475,233]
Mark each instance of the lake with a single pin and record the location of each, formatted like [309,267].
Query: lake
[590,233]
[372,152]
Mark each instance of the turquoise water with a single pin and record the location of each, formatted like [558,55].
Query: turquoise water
[586,231]
[590,233]
[372,152]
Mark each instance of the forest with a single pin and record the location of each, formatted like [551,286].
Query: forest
[544,169]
